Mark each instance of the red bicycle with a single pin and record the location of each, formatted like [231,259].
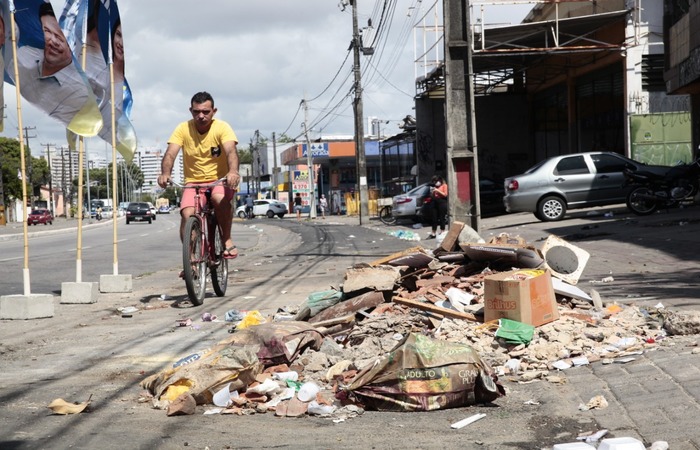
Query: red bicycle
[203,247]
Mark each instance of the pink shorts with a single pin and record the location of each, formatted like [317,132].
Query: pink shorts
[188,194]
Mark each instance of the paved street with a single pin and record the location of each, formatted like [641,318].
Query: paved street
[88,349]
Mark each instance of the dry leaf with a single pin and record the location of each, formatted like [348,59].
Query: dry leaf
[60,406]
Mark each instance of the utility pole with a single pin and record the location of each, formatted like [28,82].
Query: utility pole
[274,166]
[460,124]
[359,126]
[309,164]
[2,189]
[48,160]
[63,184]
[30,165]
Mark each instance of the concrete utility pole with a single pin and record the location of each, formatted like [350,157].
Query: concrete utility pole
[274,166]
[310,165]
[359,126]
[48,160]
[462,166]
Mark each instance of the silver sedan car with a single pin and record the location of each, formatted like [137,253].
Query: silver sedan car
[564,182]
[264,207]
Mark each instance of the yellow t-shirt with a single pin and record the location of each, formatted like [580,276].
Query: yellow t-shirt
[204,159]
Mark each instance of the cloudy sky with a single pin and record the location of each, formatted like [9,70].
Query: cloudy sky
[259,59]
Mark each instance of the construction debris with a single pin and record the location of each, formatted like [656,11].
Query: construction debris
[411,306]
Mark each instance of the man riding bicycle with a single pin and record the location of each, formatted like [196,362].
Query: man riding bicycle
[209,153]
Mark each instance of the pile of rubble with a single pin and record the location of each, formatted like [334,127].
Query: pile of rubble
[337,337]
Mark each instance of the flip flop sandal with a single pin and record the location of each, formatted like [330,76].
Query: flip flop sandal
[227,253]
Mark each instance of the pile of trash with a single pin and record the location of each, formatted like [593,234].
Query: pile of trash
[419,330]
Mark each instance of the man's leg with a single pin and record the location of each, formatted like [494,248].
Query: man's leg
[224,216]
[185,214]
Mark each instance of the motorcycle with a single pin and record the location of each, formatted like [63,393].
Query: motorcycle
[662,187]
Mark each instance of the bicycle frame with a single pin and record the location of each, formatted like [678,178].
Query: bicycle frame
[203,247]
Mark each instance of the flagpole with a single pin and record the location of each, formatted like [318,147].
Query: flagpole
[114,164]
[23,162]
[81,164]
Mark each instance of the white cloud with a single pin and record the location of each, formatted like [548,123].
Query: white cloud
[257,58]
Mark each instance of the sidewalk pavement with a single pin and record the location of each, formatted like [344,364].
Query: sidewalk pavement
[655,397]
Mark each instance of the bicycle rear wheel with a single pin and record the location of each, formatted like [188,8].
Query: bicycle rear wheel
[194,261]
[385,216]
[219,268]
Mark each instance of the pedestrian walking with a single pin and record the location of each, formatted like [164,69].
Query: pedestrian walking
[249,207]
[438,199]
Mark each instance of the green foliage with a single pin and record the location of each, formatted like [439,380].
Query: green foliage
[284,139]
[245,156]
[172,194]
[37,169]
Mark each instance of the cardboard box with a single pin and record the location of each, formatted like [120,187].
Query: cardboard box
[523,295]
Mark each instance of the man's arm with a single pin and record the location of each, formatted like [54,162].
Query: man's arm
[166,166]
[231,151]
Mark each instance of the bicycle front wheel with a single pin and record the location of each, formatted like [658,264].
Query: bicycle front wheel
[194,261]
[219,268]
[386,217]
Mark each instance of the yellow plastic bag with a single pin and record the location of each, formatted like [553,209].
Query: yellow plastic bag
[251,318]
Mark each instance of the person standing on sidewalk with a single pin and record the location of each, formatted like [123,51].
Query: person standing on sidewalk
[324,205]
[209,153]
[297,205]
[438,198]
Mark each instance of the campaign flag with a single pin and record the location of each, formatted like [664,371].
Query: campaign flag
[50,77]
[94,26]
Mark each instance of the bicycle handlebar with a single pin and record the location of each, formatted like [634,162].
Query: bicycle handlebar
[215,183]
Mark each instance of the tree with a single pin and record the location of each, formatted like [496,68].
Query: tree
[245,155]
[284,139]
[172,193]
[10,167]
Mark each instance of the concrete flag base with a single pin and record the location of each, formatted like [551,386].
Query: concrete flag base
[115,283]
[21,307]
[73,292]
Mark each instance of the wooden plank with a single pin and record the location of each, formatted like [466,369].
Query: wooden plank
[450,240]
[435,309]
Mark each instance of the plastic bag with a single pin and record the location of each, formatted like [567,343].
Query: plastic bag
[252,318]
[515,332]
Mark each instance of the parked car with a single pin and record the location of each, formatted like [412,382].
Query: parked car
[164,209]
[580,180]
[413,203]
[265,207]
[409,205]
[37,216]
[138,212]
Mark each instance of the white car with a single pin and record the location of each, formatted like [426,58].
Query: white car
[153,210]
[265,207]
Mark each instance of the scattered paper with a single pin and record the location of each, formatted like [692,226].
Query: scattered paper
[464,422]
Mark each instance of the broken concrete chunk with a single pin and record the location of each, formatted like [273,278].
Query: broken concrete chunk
[367,300]
[468,235]
[183,405]
[381,278]
[683,323]
[449,242]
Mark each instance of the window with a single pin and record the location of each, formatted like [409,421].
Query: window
[571,165]
[608,163]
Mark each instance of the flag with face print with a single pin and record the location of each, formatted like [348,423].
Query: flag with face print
[49,76]
[93,27]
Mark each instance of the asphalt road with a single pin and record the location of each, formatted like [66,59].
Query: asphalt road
[91,349]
